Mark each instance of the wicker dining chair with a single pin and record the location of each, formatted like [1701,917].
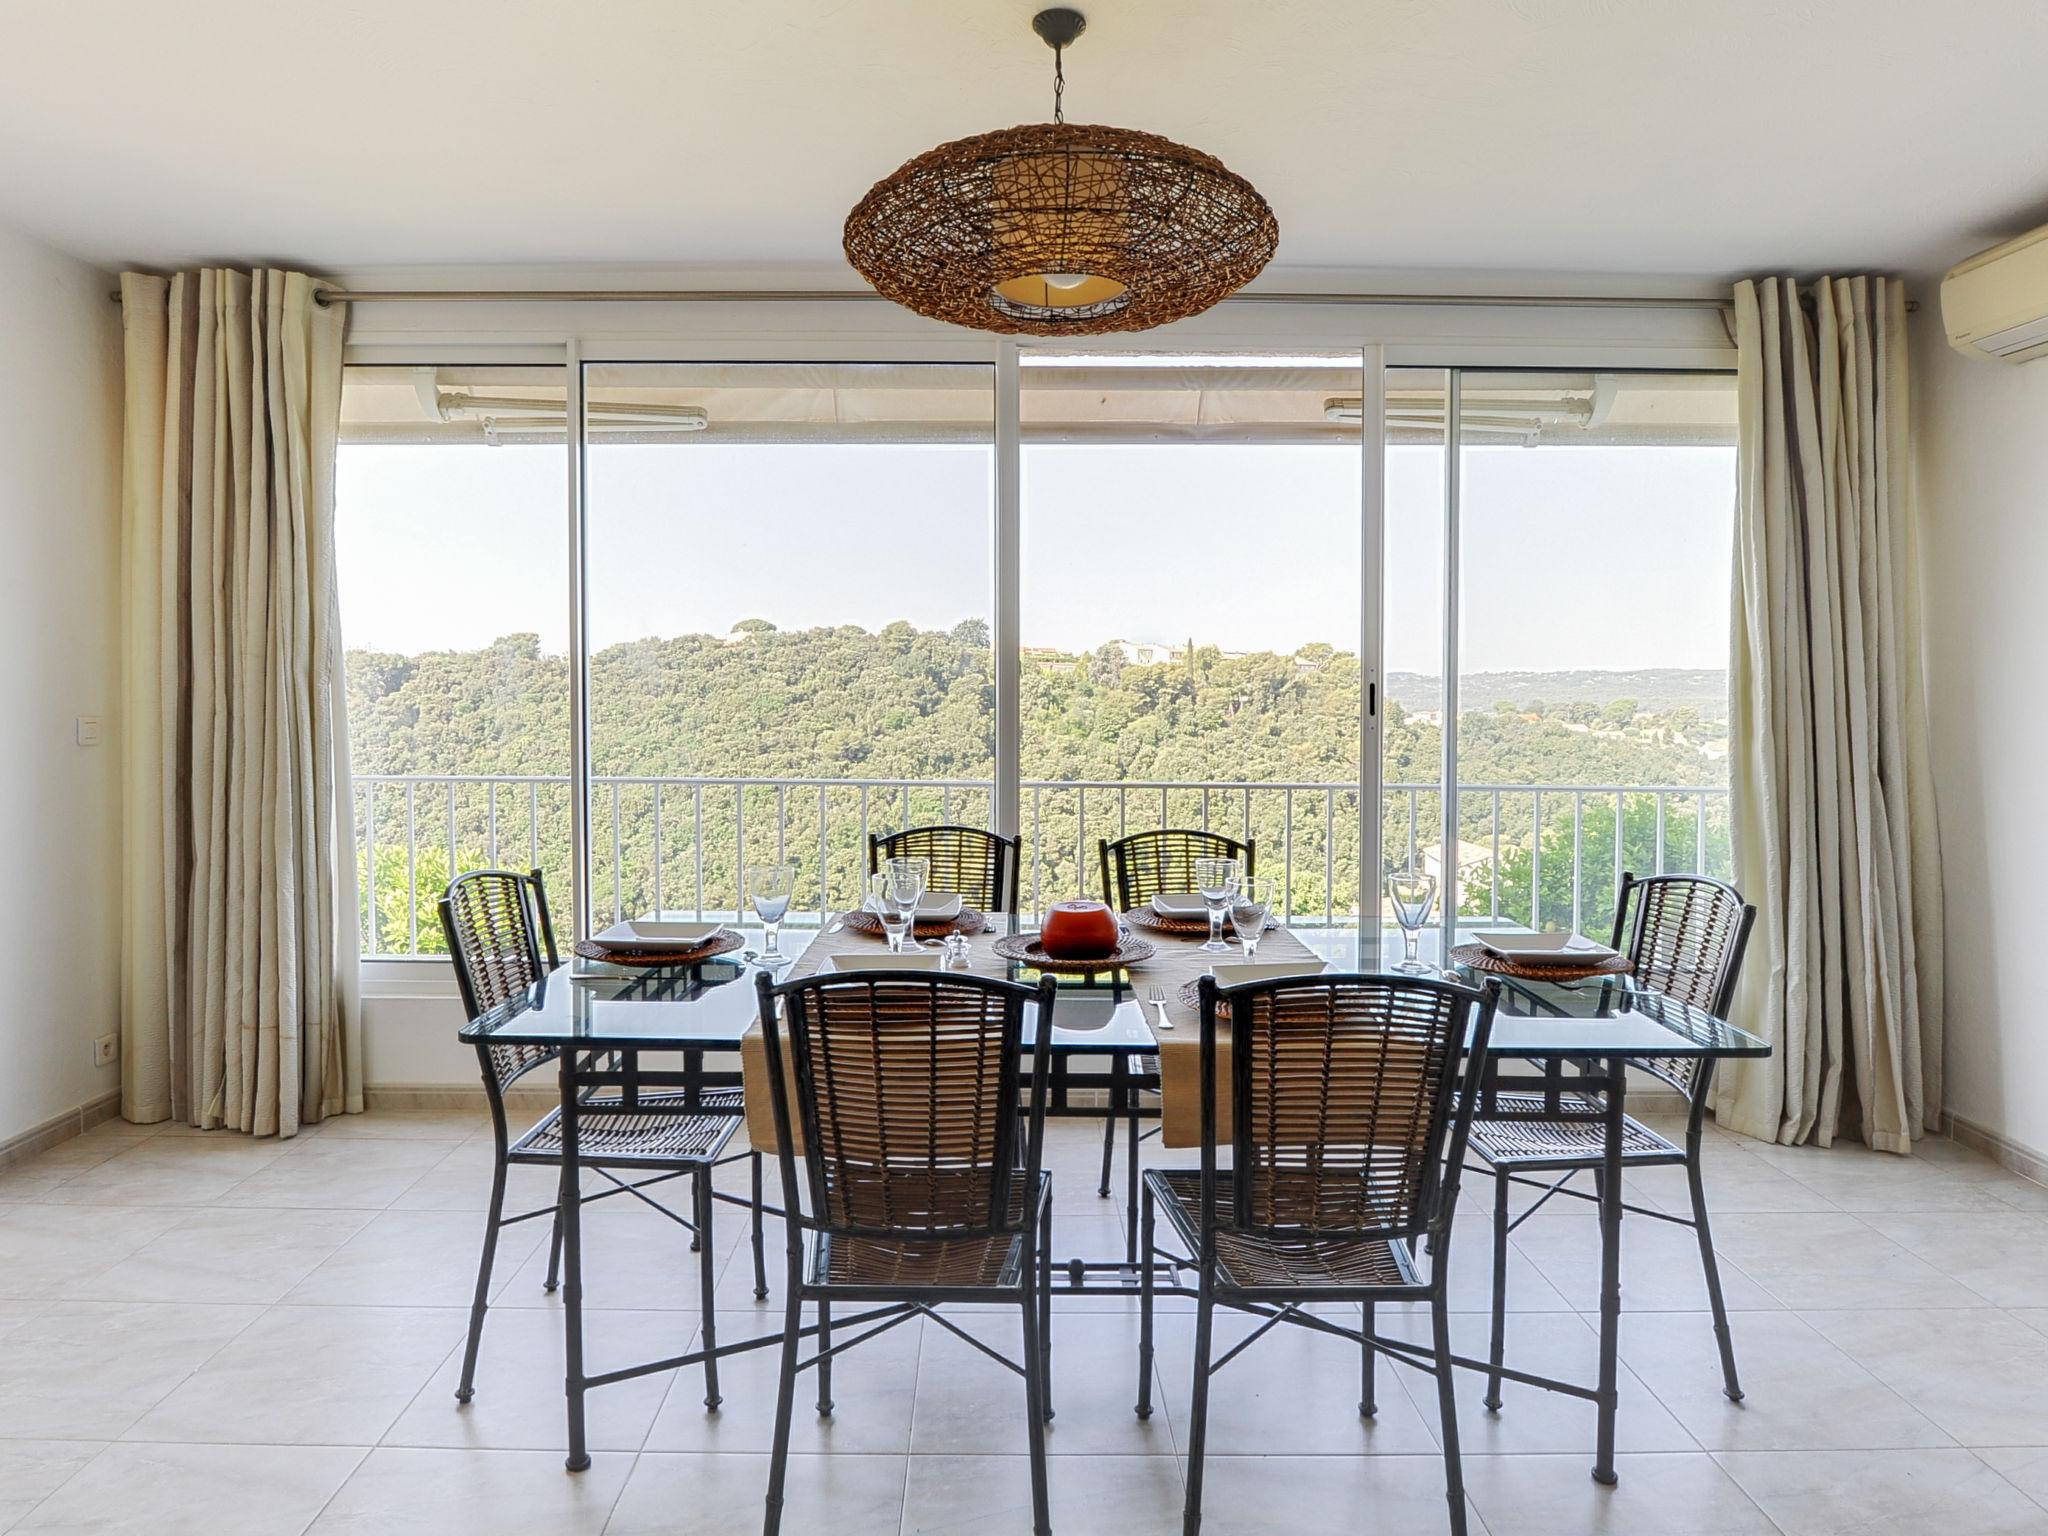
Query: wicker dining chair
[923,1180]
[980,867]
[1145,864]
[1684,935]
[1349,1112]
[502,940]
[1134,870]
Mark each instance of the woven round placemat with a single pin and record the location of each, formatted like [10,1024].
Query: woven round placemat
[1480,958]
[1130,950]
[967,921]
[1181,927]
[721,944]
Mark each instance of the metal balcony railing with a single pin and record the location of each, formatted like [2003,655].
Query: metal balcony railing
[1526,853]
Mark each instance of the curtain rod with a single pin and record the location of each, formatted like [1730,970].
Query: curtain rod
[842,296]
[327,296]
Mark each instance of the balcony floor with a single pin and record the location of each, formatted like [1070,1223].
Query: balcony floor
[200,1333]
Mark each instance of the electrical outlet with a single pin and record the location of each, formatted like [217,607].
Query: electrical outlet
[86,728]
[106,1050]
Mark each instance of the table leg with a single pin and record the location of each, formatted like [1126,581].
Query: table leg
[1610,1270]
[1130,1162]
[572,1266]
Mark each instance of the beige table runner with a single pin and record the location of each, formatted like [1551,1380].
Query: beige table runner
[1177,962]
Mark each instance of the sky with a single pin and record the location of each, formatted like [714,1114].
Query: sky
[1573,557]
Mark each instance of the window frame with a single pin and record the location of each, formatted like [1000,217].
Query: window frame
[578,336]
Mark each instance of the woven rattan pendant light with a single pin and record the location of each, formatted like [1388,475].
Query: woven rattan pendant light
[1059,228]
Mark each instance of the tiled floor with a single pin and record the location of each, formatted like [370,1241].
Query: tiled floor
[207,1334]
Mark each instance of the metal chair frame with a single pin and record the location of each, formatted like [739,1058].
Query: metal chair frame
[1016,1204]
[699,1126]
[1639,907]
[1231,1203]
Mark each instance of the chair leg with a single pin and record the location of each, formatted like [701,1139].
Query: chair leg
[785,1404]
[1198,1413]
[481,1301]
[1145,1283]
[1729,1383]
[1368,1387]
[760,1250]
[1045,1307]
[707,1273]
[554,1279]
[824,1358]
[1036,1408]
[1447,1409]
[1108,1150]
[1497,1345]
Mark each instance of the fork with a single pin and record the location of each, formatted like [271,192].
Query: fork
[1157,998]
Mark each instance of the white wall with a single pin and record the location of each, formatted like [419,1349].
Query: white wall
[1982,440]
[60,500]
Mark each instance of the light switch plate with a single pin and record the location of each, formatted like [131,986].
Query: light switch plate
[87,728]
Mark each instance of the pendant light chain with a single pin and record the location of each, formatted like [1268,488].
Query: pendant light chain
[1059,84]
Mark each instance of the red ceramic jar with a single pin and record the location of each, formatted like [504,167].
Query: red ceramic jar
[1079,930]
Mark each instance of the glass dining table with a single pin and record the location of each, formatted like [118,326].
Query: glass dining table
[642,1029]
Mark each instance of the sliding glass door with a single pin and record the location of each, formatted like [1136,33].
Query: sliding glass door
[788,600]
[1570,722]
[1190,615]
[453,566]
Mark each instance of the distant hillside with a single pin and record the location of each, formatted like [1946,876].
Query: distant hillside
[1655,690]
[842,704]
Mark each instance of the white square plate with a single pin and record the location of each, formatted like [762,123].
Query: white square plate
[1545,948]
[927,960]
[934,907]
[1179,904]
[646,933]
[1236,974]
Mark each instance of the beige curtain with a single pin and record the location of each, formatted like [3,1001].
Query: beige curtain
[1833,799]
[240,935]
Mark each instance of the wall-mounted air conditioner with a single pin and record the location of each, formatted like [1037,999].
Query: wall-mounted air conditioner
[1995,305]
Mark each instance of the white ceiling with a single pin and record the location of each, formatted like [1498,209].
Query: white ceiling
[1692,138]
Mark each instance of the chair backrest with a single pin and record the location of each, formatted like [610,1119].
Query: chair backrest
[1684,935]
[502,940]
[1348,1114]
[1139,867]
[906,1089]
[978,866]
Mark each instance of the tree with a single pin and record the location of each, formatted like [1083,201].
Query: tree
[1620,712]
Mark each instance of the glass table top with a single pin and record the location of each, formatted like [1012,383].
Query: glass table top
[710,1006]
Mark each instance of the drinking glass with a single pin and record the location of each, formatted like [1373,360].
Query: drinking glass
[897,916]
[1413,896]
[1216,879]
[1248,910]
[908,878]
[769,887]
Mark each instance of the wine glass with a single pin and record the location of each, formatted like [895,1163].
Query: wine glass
[1216,879]
[908,880]
[770,887]
[897,916]
[1248,910]
[1413,895]
[909,877]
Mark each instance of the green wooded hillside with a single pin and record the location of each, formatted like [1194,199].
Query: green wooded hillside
[844,704]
